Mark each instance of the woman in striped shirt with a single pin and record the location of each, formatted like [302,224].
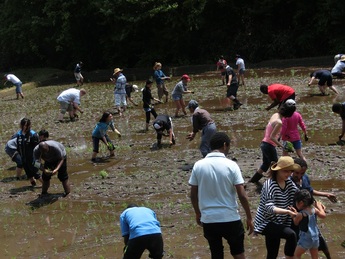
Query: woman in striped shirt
[274,216]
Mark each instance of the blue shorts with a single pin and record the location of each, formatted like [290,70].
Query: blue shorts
[18,87]
[296,144]
[307,242]
[177,97]
[241,71]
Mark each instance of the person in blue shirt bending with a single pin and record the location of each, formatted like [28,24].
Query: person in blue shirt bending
[141,230]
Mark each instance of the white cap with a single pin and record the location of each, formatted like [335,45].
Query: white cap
[136,88]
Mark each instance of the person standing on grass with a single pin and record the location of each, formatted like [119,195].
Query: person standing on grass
[27,140]
[232,87]
[271,140]
[290,132]
[201,121]
[70,101]
[160,78]
[16,82]
[278,93]
[99,133]
[119,90]
[178,92]
[77,74]
[141,230]
[148,107]
[215,181]
[54,155]
[273,217]
[240,69]
[323,76]
[163,122]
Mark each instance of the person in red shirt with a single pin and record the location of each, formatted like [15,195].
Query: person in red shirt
[278,93]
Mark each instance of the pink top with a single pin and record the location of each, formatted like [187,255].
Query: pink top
[267,137]
[289,129]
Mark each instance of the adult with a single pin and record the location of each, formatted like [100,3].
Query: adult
[70,101]
[201,121]
[141,230]
[290,131]
[323,76]
[16,82]
[54,155]
[338,68]
[148,107]
[160,78]
[99,133]
[163,123]
[241,68]
[273,218]
[278,93]
[302,181]
[337,57]
[129,90]
[271,139]
[27,140]
[214,182]
[11,151]
[77,74]
[339,108]
[221,65]
[177,94]
[119,90]
[232,87]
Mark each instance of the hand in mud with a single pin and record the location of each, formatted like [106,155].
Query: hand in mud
[306,138]
[332,198]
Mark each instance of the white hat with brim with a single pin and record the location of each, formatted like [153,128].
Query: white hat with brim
[286,163]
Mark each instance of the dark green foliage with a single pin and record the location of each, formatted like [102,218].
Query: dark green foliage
[128,33]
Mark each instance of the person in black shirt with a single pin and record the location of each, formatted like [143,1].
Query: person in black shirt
[163,122]
[148,107]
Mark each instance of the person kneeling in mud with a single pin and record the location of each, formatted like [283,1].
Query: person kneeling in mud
[161,123]
[55,157]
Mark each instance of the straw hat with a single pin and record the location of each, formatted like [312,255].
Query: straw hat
[285,163]
[117,70]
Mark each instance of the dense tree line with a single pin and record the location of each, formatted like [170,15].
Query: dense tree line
[129,33]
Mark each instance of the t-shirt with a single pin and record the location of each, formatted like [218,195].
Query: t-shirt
[77,68]
[229,71]
[147,97]
[339,67]
[240,62]
[13,79]
[280,92]
[179,88]
[200,119]
[70,95]
[139,221]
[216,177]
[166,120]
[101,129]
[120,86]
[158,74]
[55,153]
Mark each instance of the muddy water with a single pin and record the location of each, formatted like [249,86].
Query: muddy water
[85,224]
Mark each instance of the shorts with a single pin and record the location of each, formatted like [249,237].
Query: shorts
[18,87]
[95,142]
[78,76]
[233,232]
[307,242]
[65,107]
[232,90]
[120,99]
[325,79]
[62,172]
[15,156]
[241,71]
[296,144]
[177,97]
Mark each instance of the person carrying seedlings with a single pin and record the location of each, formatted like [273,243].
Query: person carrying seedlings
[271,140]
[160,78]
[163,122]
[201,121]
[99,133]
[323,76]
[16,82]
[302,181]
[214,183]
[232,87]
[278,93]
[54,156]
[27,140]
[141,230]
[148,107]
[339,108]
[177,94]
[306,221]
[70,101]
[290,133]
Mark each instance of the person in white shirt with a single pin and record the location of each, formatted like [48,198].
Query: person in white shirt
[240,69]
[69,101]
[15,81]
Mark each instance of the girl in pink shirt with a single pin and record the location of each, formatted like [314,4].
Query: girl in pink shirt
[290,132]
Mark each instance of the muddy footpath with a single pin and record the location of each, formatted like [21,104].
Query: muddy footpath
[85,224]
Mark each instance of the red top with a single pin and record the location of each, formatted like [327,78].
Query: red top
[280,92]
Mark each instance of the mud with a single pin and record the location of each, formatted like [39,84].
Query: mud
[86,223]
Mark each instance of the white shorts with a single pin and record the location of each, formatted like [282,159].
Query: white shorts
[78,76]
[120,99]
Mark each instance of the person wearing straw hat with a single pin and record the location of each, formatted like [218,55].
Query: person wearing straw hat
[338,68]
[163,122]
[119,90]
[160,78]
[323,76]
[273,218]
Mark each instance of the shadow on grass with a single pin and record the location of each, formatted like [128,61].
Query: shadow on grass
[44,200]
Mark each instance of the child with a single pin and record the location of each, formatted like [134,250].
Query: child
[160,78]
[289,131]
[148,107]
[306,220]
[100,133]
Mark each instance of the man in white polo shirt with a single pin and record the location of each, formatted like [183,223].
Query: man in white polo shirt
[69,101]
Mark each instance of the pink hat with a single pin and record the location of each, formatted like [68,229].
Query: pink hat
[185,77]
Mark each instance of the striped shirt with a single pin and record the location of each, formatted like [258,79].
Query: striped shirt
[273,196]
